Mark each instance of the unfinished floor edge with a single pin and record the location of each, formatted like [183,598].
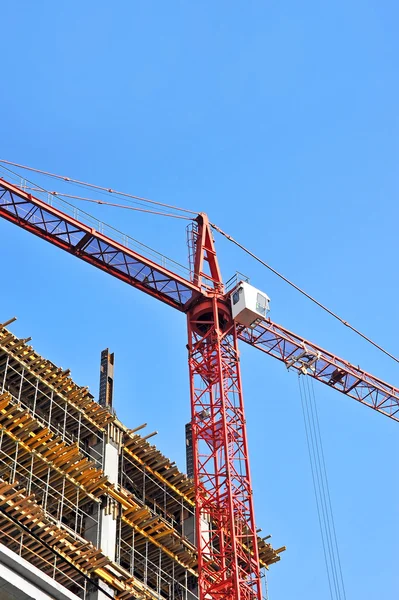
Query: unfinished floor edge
[91,504]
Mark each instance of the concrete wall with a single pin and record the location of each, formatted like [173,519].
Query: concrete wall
[19,580]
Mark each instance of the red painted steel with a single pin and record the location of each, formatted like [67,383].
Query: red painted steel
[309,359]
[226,531]
[204,251]
[86,243]
[228,562]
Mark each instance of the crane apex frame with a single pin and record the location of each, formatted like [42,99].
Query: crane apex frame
[228,561]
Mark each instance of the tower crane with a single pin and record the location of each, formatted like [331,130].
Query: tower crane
[228,562]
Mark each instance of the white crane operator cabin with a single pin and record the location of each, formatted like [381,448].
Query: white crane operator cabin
[249,305]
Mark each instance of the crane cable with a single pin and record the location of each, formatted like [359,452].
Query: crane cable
[215,227]
[98,187]
[147,249]
[321,489]
[94,201]
[301,291]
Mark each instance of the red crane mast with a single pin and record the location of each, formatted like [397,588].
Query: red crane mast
[228,564]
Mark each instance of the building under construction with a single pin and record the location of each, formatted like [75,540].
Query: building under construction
[88,508]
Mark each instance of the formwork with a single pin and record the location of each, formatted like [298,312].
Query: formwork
[88,501]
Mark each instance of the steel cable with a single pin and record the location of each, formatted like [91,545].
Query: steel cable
[147,249]
[97,187]
[321,490]
[324,472]
[301,291]
[113,204]
[315,487]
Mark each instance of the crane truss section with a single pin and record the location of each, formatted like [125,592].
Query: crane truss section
[226,532]
[309,359]
[78,239]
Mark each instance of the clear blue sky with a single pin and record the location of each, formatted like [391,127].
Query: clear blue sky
[279,119]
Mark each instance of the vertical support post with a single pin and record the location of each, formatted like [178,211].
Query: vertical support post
[146,562]
[51,408]
[21,383]
[28,489]
[35,398]
[173,581]
[110,449]
[107,535]
[14,469]
[77,528]
[132,555]
[45,493]
[5,375]
[105,397]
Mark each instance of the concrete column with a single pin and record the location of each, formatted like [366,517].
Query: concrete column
[109,511]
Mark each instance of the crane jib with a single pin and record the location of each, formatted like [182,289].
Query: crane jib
[309,359]
[83,241]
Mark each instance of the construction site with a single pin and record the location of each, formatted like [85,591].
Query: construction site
[199,388]
[90,504]
[88,507]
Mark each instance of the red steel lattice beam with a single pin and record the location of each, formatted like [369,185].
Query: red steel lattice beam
[86,243]
[297,353]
